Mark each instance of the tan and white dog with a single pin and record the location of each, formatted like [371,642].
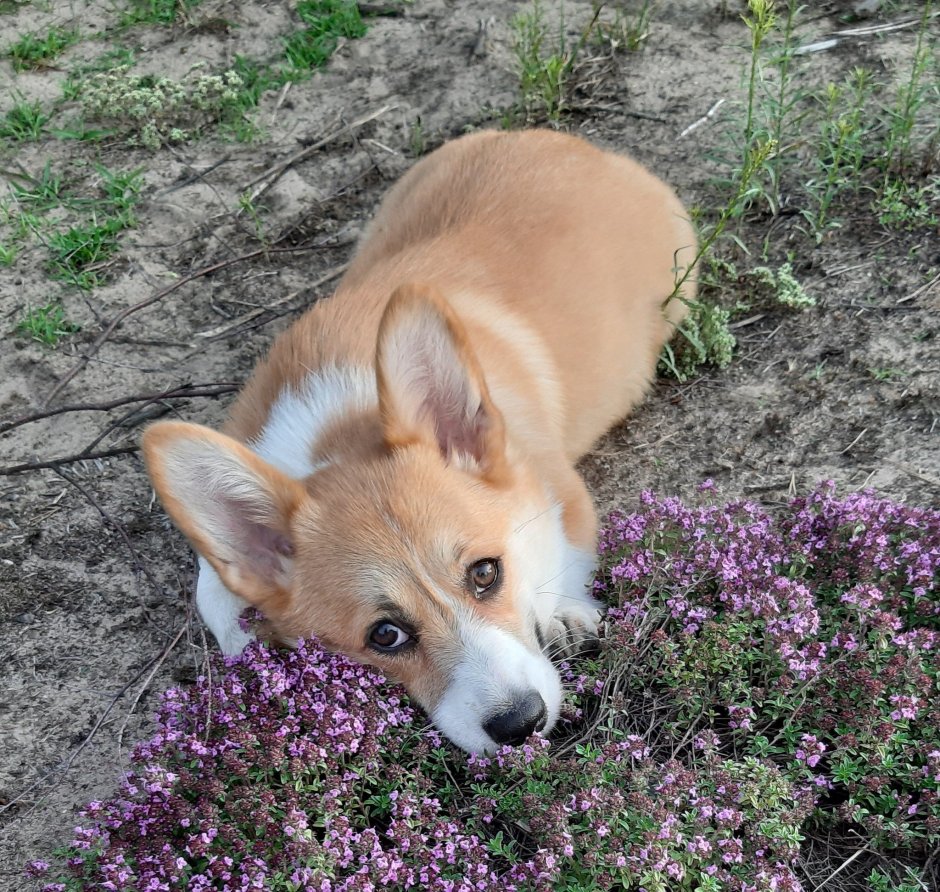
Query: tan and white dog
[397,477]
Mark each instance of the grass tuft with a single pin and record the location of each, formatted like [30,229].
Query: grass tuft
[628,30]
[47,325]
[35,51]
[157,12]
[24,122]
[542,64]
[41,193]
[79,254]
[78,230]
[326,22]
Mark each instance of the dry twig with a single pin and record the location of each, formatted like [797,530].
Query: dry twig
[184,390]
[258,311]
[273,174]
[115,525]
[65,766]
[142,305]
[54,463]
[702,120]
[156,668]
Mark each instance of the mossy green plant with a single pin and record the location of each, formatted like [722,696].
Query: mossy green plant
[908,206]
[153,111]
[783,288]
[703,338]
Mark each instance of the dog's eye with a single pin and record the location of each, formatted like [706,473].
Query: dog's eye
[484,575]
[388,637]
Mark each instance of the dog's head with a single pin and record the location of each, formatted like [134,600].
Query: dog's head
[428,550]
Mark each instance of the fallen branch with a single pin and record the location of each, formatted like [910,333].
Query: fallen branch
[54,463]
[184,390]
[142,305]
[273,174]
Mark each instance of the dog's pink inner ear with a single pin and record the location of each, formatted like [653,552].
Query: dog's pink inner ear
[460,436]
[235,508]
[449,404]
[430,383]
[258,545]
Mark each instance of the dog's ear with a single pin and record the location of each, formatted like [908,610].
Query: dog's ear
[431,387]
[233,506]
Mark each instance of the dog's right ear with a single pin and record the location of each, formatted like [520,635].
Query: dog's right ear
[431,386]
[234,507]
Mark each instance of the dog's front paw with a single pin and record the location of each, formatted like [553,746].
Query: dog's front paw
[572,633]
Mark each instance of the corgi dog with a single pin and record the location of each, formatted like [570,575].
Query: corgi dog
[397,476]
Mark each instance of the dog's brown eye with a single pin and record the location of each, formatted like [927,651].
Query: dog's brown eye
[484,575]
[388,637]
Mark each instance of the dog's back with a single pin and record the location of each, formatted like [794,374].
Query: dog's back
[556,255]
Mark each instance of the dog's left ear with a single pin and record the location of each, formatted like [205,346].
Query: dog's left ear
[235,508]
[431,387]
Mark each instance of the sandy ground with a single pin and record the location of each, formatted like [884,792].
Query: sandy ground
[95,587]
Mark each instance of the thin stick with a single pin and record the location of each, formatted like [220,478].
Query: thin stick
[118,527]
[328,276]
[825,883]
[156,668]
[184,390]
[123,420]
[702,120]
[859,437]
[207,663]
[136,308]
[924,289]
[869,30]
[63,768]
[904,466]
[273,174]
[54,463]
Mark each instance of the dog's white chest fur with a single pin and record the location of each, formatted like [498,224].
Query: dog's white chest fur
[299,417]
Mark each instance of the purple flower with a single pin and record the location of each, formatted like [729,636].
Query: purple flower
[730,632]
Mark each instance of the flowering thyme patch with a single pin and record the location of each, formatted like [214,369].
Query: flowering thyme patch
[766,681]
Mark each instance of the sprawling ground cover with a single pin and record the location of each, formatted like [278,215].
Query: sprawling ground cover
[766,700]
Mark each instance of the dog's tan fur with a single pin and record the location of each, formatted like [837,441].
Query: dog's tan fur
[545,262]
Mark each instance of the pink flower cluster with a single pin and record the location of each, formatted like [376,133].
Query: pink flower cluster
[760,675]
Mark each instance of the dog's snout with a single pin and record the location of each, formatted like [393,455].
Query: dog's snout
[514,726]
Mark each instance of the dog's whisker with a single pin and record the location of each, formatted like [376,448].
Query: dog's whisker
[536,516]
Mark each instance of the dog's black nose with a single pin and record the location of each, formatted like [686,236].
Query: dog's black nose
[519,722]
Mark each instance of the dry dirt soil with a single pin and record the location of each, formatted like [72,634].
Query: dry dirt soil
[95,586]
